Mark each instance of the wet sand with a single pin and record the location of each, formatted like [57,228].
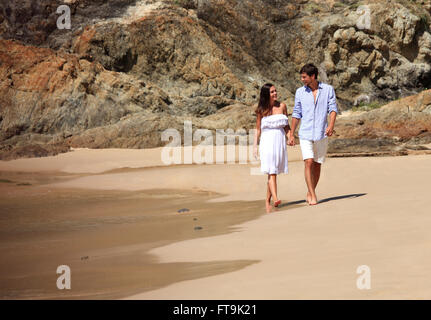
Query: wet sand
[120,231]
[104,237]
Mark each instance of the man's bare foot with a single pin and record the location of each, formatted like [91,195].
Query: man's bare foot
[268,206]
[308,197]
[313,201]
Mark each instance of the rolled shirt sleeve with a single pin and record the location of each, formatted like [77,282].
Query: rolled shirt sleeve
[332,101]
[297,108]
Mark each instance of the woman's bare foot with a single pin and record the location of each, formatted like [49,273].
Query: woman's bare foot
[268,206]
[277,203]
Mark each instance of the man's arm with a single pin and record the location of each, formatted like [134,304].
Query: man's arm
[296,115]
[330,129]
[332,110]
[295,122]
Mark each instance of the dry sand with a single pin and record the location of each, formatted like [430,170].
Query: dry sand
[111,215]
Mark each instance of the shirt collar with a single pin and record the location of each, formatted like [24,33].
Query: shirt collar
[319,86]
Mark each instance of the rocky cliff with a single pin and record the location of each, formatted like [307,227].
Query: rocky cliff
[400,127]
[128,69]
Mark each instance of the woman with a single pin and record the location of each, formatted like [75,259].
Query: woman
[272,127]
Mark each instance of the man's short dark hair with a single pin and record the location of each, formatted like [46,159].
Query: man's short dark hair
[310,69]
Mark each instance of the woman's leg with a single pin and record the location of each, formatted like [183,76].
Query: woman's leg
[268,191]
[273,186]
[268,196]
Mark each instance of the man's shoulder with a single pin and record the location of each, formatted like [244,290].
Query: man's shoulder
[326,86]
[300,90]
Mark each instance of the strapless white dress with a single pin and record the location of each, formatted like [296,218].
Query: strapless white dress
[272,147]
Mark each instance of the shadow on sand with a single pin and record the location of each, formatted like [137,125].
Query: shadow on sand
[347,196]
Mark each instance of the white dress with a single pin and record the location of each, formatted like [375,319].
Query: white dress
[272,148]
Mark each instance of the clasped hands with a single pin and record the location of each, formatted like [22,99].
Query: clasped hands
[290,139]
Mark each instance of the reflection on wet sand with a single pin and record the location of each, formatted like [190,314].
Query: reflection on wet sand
[103,236]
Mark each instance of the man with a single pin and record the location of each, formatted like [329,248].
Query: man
[313,102]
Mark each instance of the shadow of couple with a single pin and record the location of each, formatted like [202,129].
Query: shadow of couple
[347,196]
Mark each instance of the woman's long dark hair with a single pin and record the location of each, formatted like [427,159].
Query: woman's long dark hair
[263,108]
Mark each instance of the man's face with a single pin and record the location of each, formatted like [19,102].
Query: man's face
[306,79]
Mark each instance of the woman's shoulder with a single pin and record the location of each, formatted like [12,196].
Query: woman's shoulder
[280,105]
[283,107]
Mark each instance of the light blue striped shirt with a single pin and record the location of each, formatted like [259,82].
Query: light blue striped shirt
[314,116]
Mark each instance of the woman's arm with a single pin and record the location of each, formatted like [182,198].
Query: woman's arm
[286,128]
[257,135]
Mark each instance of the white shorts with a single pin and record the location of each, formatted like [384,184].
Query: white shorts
[315,150]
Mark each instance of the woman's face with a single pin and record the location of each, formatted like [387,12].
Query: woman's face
[272,94]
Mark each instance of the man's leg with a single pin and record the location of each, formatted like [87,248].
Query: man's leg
[307,149]
[320,149]
[309,180]
[316,173]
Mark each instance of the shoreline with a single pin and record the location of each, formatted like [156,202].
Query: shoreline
[84,160]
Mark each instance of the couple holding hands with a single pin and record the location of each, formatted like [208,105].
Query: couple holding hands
[313,102]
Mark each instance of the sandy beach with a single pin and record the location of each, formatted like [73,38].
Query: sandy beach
[130,227]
